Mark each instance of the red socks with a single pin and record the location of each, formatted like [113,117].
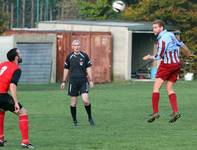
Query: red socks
[2,114]
[23,125]
[172,98]
[155,102]
[173,102]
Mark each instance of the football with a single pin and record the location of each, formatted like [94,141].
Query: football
[118,6]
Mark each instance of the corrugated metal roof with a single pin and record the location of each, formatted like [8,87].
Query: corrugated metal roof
[132,26]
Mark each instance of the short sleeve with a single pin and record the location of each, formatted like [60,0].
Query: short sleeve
[161,47]
[88,61]
[67,63]
[16,76]
[179,43]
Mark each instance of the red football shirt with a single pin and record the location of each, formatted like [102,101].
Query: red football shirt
[7,70]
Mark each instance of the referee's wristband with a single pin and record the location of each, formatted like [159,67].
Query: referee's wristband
[63,81]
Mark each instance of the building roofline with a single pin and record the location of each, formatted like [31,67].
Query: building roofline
[133,26]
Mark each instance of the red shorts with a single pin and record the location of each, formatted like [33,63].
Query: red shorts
[168,72]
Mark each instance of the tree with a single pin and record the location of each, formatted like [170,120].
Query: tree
[32,13]
[23,13]
[4,18]
[96,10]
[180,13]
[67,9]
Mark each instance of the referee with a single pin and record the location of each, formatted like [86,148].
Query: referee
[78,67]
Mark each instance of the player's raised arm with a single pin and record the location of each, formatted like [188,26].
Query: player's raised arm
[160,50]
[186,51]
[183,48]
[148,57]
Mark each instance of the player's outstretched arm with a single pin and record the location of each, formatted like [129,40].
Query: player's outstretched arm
[14,95]
[148,57]
[89,72]
[186,51]
[65,75]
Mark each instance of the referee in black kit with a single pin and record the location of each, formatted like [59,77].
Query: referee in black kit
[78,67]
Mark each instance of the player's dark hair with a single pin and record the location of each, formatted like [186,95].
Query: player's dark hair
[159,22]
[11,54]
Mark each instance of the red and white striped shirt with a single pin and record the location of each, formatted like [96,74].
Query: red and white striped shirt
[168,48]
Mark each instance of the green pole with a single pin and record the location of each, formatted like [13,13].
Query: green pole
[17,13]
[37,11]
[46,9]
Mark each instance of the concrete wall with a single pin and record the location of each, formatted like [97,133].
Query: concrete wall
[121,44]
[8,42]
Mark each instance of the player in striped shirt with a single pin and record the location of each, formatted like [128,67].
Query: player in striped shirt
[169,68]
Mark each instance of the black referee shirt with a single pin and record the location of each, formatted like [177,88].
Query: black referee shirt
[77,65]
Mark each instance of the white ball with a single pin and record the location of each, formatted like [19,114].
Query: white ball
[118,6]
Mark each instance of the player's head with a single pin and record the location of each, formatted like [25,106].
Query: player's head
[158,26]
[14,55]
[76,46]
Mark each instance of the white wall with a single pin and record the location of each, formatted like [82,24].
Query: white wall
[121,44]
[6,43]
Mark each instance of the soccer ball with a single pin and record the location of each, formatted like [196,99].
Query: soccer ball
[118,6]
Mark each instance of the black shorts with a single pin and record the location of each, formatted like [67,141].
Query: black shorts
[77,87]
[7,102]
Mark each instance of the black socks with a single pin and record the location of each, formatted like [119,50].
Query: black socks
[73,111]
[88,110]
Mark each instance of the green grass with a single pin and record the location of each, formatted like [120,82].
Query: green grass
[120,111]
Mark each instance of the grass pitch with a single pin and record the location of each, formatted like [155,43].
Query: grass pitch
[120,111]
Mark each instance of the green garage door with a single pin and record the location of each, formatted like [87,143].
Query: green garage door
[37,62]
